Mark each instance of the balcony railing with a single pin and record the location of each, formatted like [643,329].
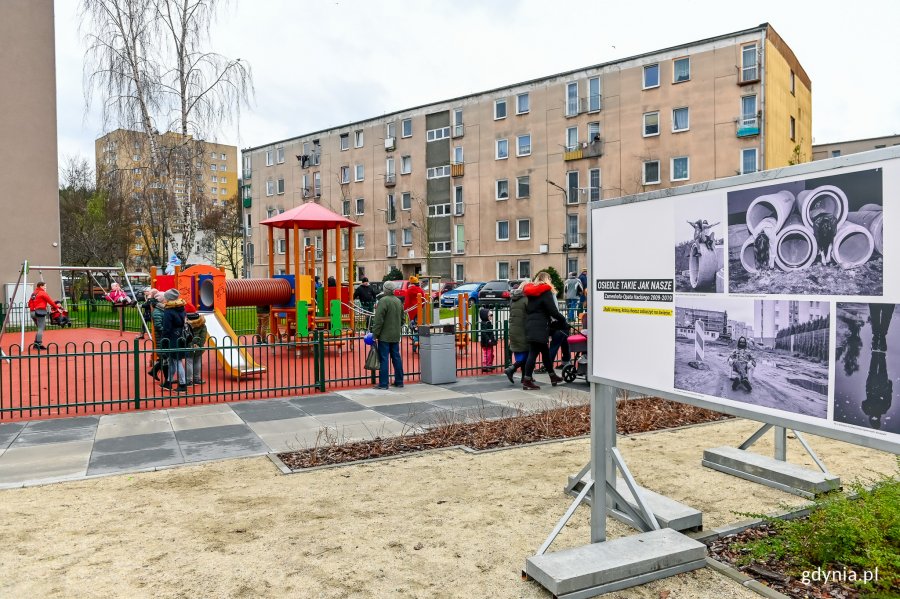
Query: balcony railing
[592,149]
[390,179]
[575,152]
[576,241]
[390,144]
[748,126]
[457,169]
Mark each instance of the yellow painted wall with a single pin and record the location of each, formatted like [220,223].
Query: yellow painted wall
[780,105]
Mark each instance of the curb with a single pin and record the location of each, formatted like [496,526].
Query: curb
[744,580]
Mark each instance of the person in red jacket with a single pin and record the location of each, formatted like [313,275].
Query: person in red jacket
[39,305]
[414,295]
[540,310]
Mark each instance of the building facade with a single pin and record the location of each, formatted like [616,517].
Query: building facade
[771,316]
[125,156]
[842,148]
[496,184]
[29,154]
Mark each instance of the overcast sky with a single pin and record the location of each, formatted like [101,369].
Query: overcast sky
[323,64]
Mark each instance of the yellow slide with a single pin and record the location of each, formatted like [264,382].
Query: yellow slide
[236,361]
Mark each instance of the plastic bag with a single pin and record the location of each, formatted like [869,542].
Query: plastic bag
[373,361]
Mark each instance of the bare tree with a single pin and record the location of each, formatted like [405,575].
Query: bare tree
[223,243]
[148,63]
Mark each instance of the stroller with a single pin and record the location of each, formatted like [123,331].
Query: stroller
[60,317]
[578,345]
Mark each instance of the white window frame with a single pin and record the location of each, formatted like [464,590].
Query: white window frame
[439,247]
[359,173]
[438,172]
[650,114]
[345,142]
[520,98]
[519,223]
[345,174]
[406,236]
[459,271]
[279,156]
[688,127]
[403,128]
[594,99]
[644,76]
[519,194]
[687,175]
[390,213]
[519,269]
[593,130]
[360,240]
[345,207]
[497,104]
[752,119]
[572,98]
[360,206]
[459,203]
[437,134]
[594,191]
[571,138]
[406,200]
[497,189]
[497,144]
[644,180]
[497,230]
[520,149]
[755,160]
[270,187]
[358,138]
[439,210]
[405,165]
[500,273]
[754,46]
[269,158]
[280,245]
[458,155]
[279,186]
[675,62]
[572,190]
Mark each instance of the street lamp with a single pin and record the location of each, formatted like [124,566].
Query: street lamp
[565,224]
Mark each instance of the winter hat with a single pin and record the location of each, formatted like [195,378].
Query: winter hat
[190,308]
[171,295]
[192,316]
[365,280]
[484,313]
[389,286]
[414,279]
[151,292]
[572,275]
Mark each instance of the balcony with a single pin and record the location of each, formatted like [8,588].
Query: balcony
[457,169]
[748,126]
[247,174]
[458,130]
[390,144]
[576,241]
[592,149]
[575,152]
[390,179]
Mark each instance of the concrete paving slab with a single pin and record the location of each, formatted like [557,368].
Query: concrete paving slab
[44,462]
[519,400]
[364,431]
[416,414]
[215,408]
[133,423]
[491,412]
[367,416]
[219,442]
[29,438]
[332,404]
[9,432]
[134,452]
[460,403]
[291,440]
[266,409]
[484,384]
[195,421]
[62,424]
[286,425]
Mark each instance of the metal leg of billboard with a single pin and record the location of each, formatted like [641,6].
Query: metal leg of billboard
[606,566]
[778,472]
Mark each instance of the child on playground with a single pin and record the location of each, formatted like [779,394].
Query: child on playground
[488,340]
[741,361]
[117,296]
[193,362]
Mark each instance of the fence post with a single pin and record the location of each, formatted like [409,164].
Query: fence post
[319,360]
[90,306]
[137,374]
[507,353]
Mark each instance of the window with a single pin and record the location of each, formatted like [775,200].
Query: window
[225,168]
[247,223]
[360,206]
[500,109]
[360,240]
[459,272]
[269,158]
[405,165]
[458,155]
[502,189]
[317,183]
[223,180]
[793,84]
[651,124]
[748,111]
[405,200]
[524,268]
[572,233]
[523,145]
[571,138]
[437,134]
[523,104]
[459,239]
[458,204]
[680,119]
[502,150]
[406,236]
[213,167]
[345,174]
[270,187]
[502,270]
[594,94]
[502,230]
[345,207]
[748,161]
[279,186]
[280,245]
[345,141]
[212,190]
[593,132]
[793,129]
[436,210]
[222,156]
[360,173]
[572,98]
[651,172]
[406,128]
[438,172]
[345,241]
[594,184]
[390,214]
[523,186]
[680,168]
[749,63]
[247,163]
[279,156]
[681,70]
[523,230]
[389,173]
[458,126]
[439,247]
[651,76]
[572,187]
[358,138]
[835,153]
[390,130]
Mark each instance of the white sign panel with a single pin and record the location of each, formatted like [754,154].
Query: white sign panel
[769,299]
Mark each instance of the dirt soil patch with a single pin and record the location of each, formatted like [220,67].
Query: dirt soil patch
[632,416]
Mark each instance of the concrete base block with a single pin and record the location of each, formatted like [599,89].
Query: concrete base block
[769,471]
[600,568]
[669,513]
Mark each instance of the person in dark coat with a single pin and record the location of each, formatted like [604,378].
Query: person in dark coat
[386,326]
[518,345]
[539,312]
[488,340]
[366,297]
[173,337]
[162,362]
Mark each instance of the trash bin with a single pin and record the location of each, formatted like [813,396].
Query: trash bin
[437,353]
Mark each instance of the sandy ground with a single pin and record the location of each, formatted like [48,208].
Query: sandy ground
[443,524]
[776,380]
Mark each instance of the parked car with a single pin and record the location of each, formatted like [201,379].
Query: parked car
[450,298]
[496,292]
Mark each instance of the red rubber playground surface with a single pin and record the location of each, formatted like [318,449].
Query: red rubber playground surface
[95,371]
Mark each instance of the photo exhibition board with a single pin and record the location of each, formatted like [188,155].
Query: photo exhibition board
[769,296]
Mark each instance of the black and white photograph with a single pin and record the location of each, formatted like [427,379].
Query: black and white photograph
[805,236]
[700,246]
[867,364]
[768,353]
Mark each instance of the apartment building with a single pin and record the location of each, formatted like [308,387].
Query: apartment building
[496,184]
[127,154]
[842,148]
[771,316]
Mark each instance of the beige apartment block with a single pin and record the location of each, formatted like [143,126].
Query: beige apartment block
[496,184]
[127,153]
[853,146]
[28,120]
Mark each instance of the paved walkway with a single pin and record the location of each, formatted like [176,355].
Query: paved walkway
[44,451]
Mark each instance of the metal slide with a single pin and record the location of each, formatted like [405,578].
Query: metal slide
[235,360]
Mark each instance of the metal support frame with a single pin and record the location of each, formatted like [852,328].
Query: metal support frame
[781,444]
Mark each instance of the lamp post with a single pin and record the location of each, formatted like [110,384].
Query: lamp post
[565,224]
